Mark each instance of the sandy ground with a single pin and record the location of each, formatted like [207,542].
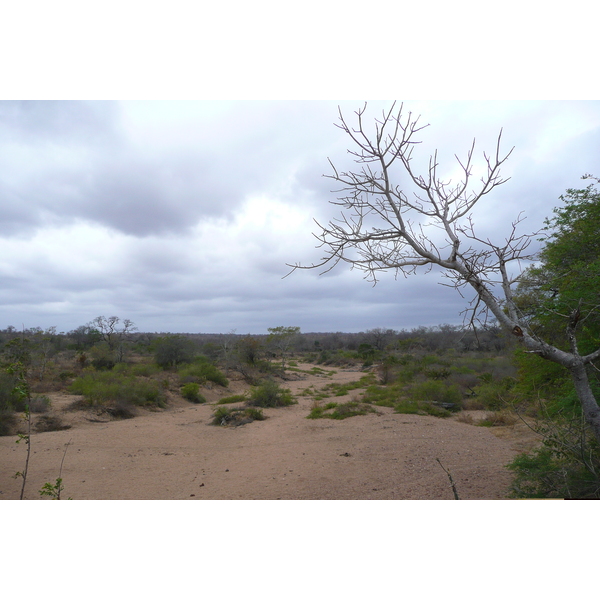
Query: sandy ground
[176,454]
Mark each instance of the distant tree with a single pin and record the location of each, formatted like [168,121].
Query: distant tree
[379,338]
[42,348]
[173,350]
[281,339]
[384,228]
[248,350]
[227,343]
[84,337]
[114,335]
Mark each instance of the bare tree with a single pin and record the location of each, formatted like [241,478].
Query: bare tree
[112,334]
[382,229]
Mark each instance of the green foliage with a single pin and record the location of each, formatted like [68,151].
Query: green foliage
[8,401]
[173,350]
[545,473]
[421,407]
[101,387]
[280,339]
[233,399]
[270,395]
[435,391]
[495,394]
[568,273]
[201,371]
[191,392]
[236,416]
[53,490]
[103,357]
[340,411]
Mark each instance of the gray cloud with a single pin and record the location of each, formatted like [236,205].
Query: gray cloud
[182,216]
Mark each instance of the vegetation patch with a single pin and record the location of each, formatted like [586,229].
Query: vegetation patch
[201,371]
[225,416]
[233,399]
[191,392]
[101,387]
[339,411]
[416,407]
[50,423]
[500,418]
[270,395]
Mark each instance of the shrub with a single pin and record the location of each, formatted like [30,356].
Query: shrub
[8,422]
[381,396]
[173,350]
[270,395]
[103,358]
[201,371]
[39,404]
[8,400]
[544,474]
[233,399]
[567,465]
[498,418]
[436,391]
[236,416]
[339,411]
[412,407]
[101,387]
[191,392]
[494,394]
[50,423]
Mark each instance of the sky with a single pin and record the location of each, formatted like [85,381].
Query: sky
[183,215]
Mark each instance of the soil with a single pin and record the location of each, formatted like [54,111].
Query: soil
[176,454]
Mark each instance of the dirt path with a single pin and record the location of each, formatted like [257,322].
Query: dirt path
[176,454]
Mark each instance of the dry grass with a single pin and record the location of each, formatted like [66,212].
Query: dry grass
[499,418]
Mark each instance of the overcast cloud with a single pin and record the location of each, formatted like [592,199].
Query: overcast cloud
[181,216]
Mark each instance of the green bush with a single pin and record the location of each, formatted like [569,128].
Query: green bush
[101,387]
[201,371]
[233,399]
[544,474]
[335,410]
[270,395]
[137,369]
[191,392]
[436,391]
[414,407]
[567,465]
[236,416]
[173,350]
[494,394]
[8,400]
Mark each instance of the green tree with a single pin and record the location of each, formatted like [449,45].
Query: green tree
[281,339]
[173,350]
[561,294]
[566,282]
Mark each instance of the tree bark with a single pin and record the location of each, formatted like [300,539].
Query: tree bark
[591,410]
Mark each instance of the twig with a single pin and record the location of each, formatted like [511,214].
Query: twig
[456,496]
[61,466]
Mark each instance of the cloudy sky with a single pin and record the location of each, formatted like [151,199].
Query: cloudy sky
[181,216]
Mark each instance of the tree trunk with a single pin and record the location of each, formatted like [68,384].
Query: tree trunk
[591,410]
